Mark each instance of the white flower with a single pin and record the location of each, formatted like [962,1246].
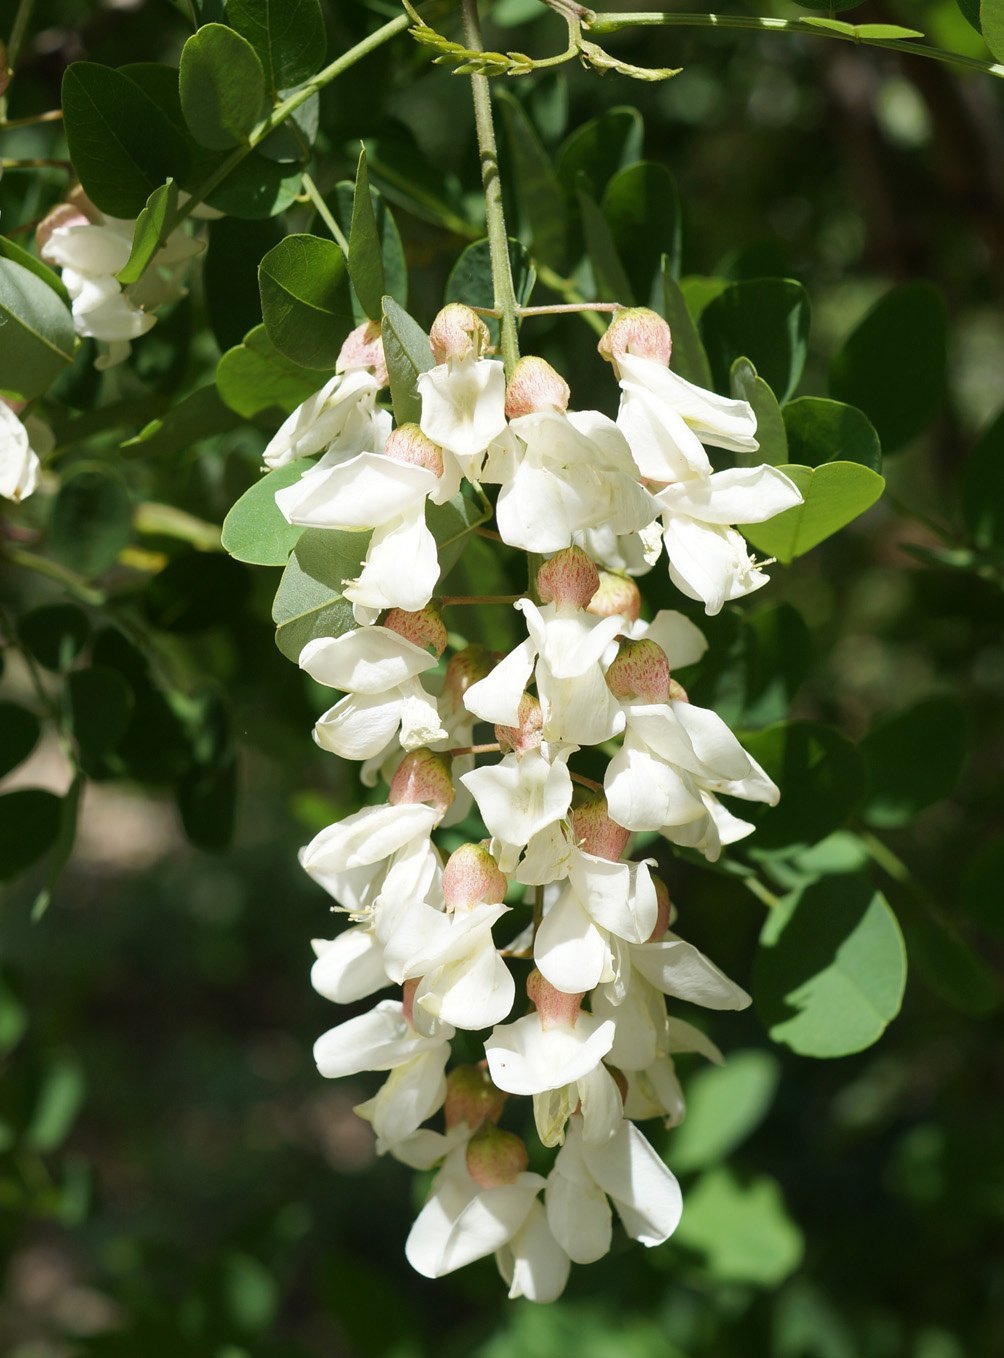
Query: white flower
[19,464]
[379,1040]
[412,1092]
[533,1263]
[340,420]
[463,407]
[354,858]
[378,670]
[625,1168]
[519,798]
[349,967]
[573,473]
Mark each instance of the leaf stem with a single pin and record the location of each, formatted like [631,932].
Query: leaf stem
[613,22]
[504,292]
[448,599]
[22,18]
[493,747]
[591,783]
[325,214]
[43,566]
[54,115]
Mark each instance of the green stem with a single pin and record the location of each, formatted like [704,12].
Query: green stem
[54,115]
[324,212]
[19,28]
[612,23]
[753,883]
[42,566]
[504,292]
[564,287]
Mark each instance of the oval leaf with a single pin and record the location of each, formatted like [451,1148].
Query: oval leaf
[91,519]
[821,777]
[288,36]
[305,299]
[223,91]
[765,320]
[365,257]
[254,376]
[19,733]
[821,431]
[900,785]
[29,825]
[642,207]
[407,352]
[255,530]
[55,634]
[37,328]
[833,495]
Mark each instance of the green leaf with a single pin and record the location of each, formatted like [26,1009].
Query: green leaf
[688,358]
[59,1101]
[833,496]
[257,188]
[101,705]
[971,9]
[13,1019]
[55,634]
[599,148]
[746,385]
[198,416]
[255,531]
[29,825]
[641,204]
[305,300]
[66,837]
[207,794]
[122,144]
[983,488]
[230,276]
[831,968]
[914,758]
[288,36]
[742,1228]
[10,249]
[293,140]
[407,352]
[309,601]
[393,263]
[834,6]
[254,376]
[821,431]
[365,257]
[892,365]
[724,1105]
[91,518]
[19,733]
[949,965]
[470,278]
[610,282]
[405,176]
[765,320]
[222,84]
[821,777]
[979,894]
[540,201]
[153,226]
[451,524]
[864,31]
[38,338]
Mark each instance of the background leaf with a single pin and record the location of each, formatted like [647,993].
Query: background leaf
[305,301]
[765,320]
[288,36]
[91,518]
[38,338]
[914,758]
[821,431]
[254,529]
[641,204]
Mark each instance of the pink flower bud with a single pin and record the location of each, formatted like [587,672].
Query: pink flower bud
[364,349]
[458,333]
[472,877]
[63,214]
[471,1097]
[408,1000]
[568,578]
[535,386]
[640,673]
[677,693]
[408,444]
[423,776]
[465,668]
[595,832]
[554,1008]
[528,733]
[665,914]
[495,1157]
[616,594]
[637,330]
[425,628]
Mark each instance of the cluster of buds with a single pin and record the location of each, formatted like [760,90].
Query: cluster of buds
[572,1007]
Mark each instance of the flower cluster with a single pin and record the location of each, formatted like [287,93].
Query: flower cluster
[543,905]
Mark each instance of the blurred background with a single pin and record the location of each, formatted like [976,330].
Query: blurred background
[174,1175]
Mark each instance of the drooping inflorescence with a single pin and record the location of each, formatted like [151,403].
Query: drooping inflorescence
[573,1008]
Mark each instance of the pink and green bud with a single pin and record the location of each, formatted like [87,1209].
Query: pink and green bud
[677,693]
[465,668]
[638,331]
[527,733]
[554,1008]
[364,349]
[534,387]
[665,909]
[471,1097]
[423,776]
[472,877]
[458,333]
[569,579]
[408,444]
[595,832]
[425,628]
[640,673]
[495,1158]
[616,594]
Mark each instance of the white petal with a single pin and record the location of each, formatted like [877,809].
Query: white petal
[458,1225]
[463,405]
[645,1193]
[738,495]
[683,643]
[519,797]
[496,697]
[678,968]
[533,1263]
[708,562]
[365,660]
[420,725]
[364,492]
[379,1040]
[410,1094]
[350,967]
[719,420]
[569,950]
[531,511]
[401,567]
[19,465]
[359,727]
[367,836]
[523,1058]
[645,793]
[577,1209]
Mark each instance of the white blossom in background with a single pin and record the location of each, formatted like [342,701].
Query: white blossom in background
[21,442]
[537,933]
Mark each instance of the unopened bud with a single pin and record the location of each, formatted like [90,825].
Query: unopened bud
[665,909]
[528,731]
[63,214]
[424,628]
[458,333]
[408,444]
[364,349]
[408,1000]
[637,330]
[472,877]
[471,1097]
[677,693]
[568,578]
[554,1008]
[423,776]
[535,386]
[465,668]
[495,1158]
[595,832]
[639,673]
[616,594]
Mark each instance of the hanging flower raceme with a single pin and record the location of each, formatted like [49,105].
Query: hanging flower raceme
[538,934]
